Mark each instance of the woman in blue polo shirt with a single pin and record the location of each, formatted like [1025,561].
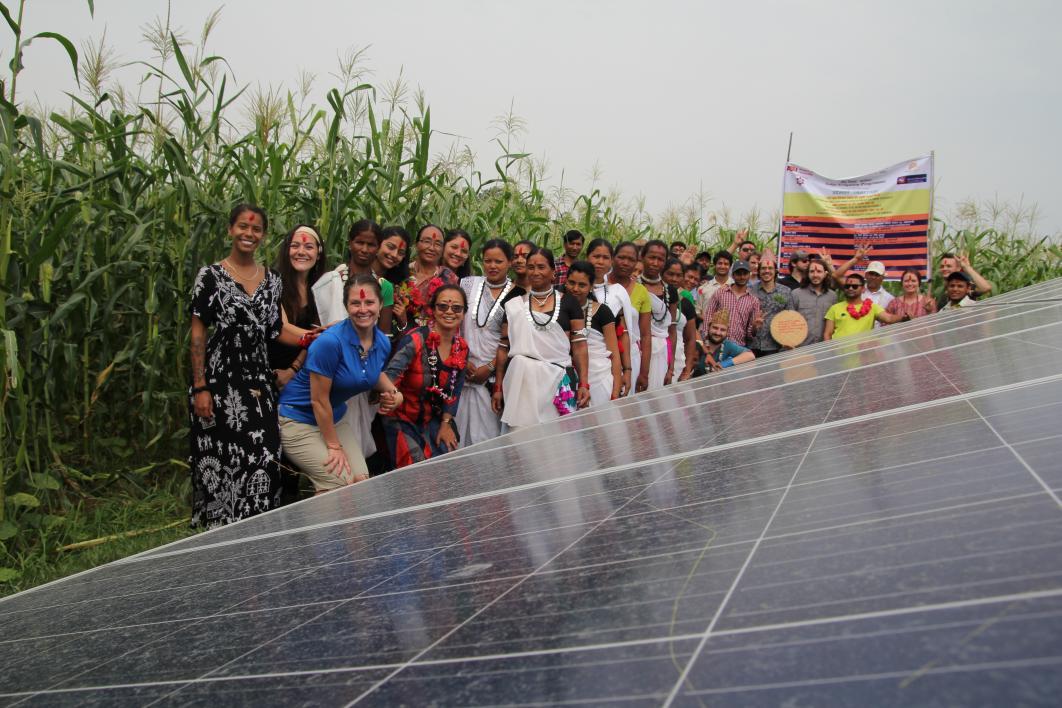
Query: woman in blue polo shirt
[346,360]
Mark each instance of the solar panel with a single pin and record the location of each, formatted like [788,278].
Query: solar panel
[872,520]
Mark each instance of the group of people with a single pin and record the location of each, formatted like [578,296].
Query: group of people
[401,353]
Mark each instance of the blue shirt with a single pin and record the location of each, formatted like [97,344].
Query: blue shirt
[335,355]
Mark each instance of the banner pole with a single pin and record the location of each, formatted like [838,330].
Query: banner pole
[929,225]
[781,212]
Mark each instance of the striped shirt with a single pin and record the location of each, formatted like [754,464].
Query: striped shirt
[742,308]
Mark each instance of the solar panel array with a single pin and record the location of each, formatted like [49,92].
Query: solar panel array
[874,520]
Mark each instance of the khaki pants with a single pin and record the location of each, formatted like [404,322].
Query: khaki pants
[305,446]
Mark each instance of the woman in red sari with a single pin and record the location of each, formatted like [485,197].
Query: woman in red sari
[413,298]
[428,367]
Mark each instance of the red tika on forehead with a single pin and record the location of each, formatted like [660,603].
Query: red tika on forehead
[302,237]
[251,217]
[361,293]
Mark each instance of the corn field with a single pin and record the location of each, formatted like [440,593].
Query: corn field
[108,211]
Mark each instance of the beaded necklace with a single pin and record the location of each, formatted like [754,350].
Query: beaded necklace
[542,326]
[477,301]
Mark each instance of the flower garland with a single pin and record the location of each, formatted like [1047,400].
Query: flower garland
[440,396]
[419,308]
[862,311]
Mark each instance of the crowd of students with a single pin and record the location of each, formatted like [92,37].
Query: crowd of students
[387,360]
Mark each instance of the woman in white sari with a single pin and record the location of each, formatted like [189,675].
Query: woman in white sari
[542,338]
[663,301]
[482,327]
[603,356]
[615,297]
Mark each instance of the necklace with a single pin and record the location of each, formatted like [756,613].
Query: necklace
[236,272]
[477,301]
[667,303]
[541,296]
[440,396]
[541,326]
[604,293]
[646,279]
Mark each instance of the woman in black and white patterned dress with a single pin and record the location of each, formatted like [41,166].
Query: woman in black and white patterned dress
[235,438]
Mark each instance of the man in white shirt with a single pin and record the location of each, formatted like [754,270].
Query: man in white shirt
[875,276]
[958,286]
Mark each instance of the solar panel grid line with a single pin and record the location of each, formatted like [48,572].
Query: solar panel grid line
[634,465]
[711,382]
[1046,487]
[414,660]
[684,676]
[214,615]
[967,668]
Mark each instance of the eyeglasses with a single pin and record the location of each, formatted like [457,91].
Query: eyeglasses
[429,243]
[447,307]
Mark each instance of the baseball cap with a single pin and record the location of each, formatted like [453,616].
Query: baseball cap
[741,265]
[959,275]
[876,267]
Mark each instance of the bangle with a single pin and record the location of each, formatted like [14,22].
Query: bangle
[336,446]
[295,367]
[584,385]
[200,389]
[491,365]
[627,368]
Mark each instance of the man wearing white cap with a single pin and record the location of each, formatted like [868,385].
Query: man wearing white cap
[875,274]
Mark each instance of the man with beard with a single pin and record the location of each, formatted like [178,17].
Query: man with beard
[813,299]
[798,270]
[857,314]
[745,317]
[718,352]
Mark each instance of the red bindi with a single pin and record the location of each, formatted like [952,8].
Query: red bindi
[251,217]
[303,238]
[361,293]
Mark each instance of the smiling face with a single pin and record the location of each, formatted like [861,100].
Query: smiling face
[449,309]
[455,253]
[578,286]
[741,278]
[722,267]
[717,332]
[853,289]
[691,279]
[746,251]
[539,273]
[520,252]
[363,248]
[910,283]
[246,232]
[303,251]
[430,246]
[874,281]
[601,259]
[767,272]
[363,307]
[392,252]
[958,289]
[948,265]
[495,265]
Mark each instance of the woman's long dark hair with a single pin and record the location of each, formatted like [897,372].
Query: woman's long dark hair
[466,268]
[400,273]
[289,294]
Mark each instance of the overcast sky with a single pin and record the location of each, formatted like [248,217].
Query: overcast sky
[668,98]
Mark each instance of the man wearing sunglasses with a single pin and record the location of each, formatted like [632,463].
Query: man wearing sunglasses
[857,314]
[798,270]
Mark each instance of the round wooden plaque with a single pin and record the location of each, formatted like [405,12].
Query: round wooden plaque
[789,328]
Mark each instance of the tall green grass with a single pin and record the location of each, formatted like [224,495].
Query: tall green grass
[108,210]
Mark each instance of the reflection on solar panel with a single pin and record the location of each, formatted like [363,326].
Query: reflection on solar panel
[874,520]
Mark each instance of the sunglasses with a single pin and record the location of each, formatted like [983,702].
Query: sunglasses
[852,286]
[447,307]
